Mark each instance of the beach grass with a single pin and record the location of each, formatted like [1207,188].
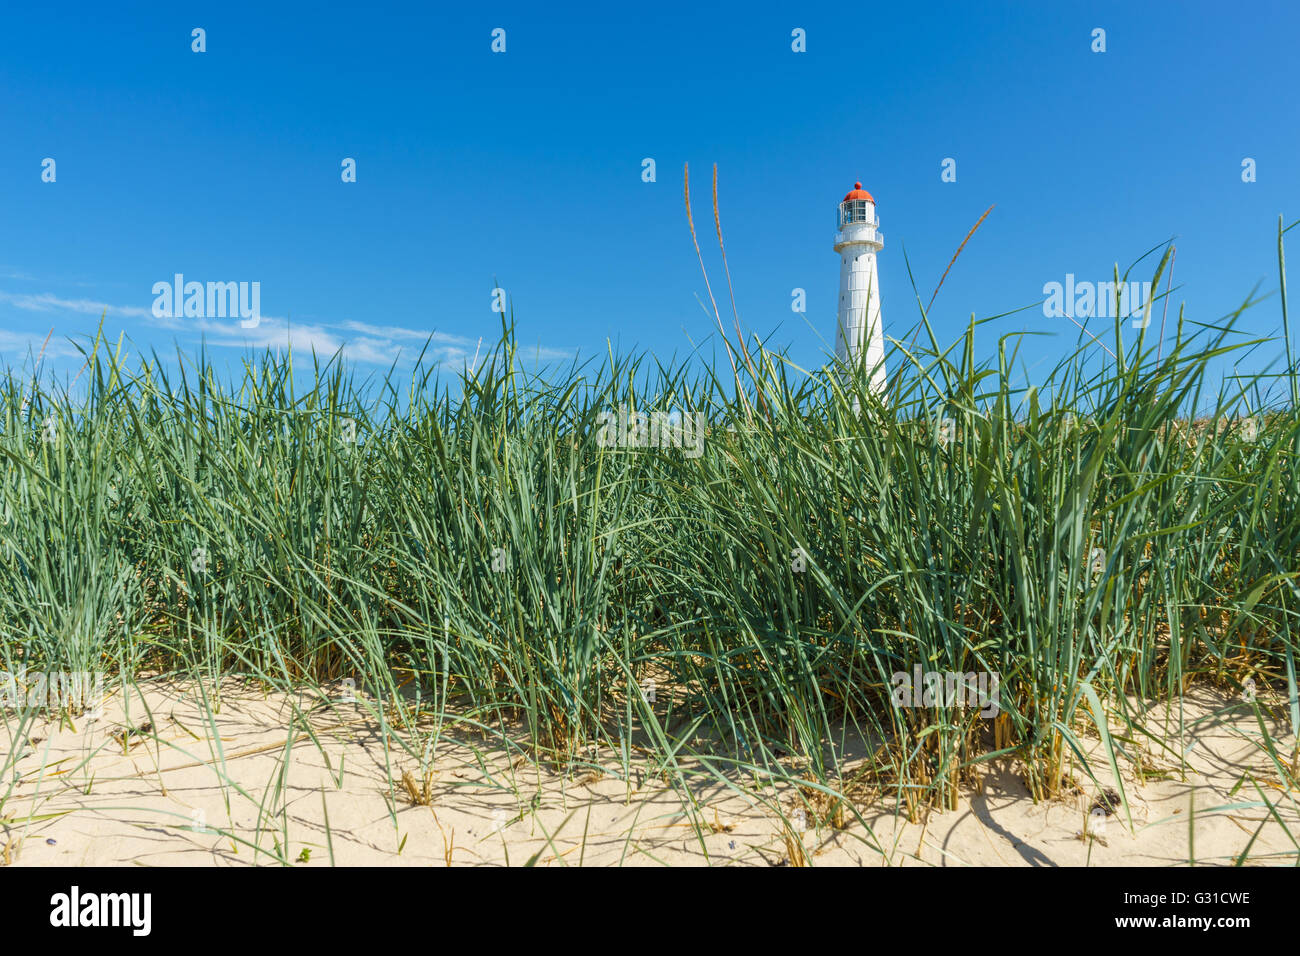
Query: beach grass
[464,548]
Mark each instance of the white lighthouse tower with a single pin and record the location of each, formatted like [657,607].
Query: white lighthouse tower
[860,335]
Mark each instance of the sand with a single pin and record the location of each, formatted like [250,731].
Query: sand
[165,798]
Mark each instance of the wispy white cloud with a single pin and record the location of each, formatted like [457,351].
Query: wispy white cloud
[356,341]
[44,302]
[543,354]
[24,345]
[397,332]
[391,344]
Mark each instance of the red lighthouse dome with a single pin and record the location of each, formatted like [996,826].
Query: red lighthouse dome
[857,192]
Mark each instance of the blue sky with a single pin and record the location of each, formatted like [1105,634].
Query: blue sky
[524,168]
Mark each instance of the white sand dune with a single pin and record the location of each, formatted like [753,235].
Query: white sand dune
[167,799]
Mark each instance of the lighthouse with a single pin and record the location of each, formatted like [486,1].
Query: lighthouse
[860,336]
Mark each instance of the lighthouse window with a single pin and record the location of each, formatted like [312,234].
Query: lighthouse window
[854,210]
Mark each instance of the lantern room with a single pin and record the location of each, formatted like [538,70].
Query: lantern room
[857,208]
